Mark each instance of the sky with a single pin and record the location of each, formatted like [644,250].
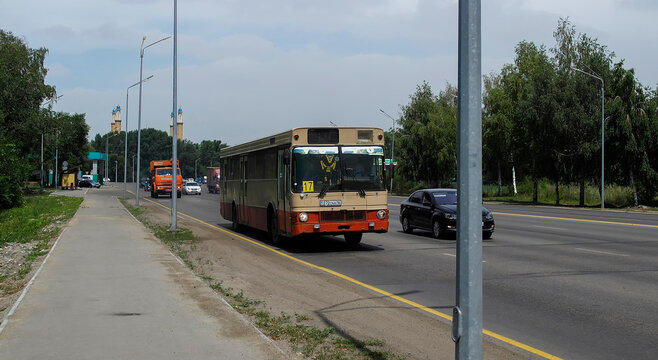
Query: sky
[252,68]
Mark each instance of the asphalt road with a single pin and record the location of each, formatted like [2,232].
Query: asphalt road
[576,284]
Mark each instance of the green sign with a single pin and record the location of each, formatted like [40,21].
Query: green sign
[387,161]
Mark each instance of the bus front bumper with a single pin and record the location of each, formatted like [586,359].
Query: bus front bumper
[314,226]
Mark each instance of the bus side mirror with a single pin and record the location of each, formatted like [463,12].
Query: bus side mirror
[286,157]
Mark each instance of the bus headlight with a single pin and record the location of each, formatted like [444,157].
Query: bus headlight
[381,214]
[303,217]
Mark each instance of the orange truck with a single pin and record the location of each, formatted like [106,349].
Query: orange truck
[161,172]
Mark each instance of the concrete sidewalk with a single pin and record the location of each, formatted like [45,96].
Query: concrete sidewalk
[110,290]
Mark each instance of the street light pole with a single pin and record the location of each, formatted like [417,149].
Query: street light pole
[392,149]
[133,168]
[195,168]
[125,150]
[50,101]
[602,132]
[174,147]
[107,152]
[139,115]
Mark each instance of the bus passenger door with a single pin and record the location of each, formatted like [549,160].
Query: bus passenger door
[242,198]
[283,206]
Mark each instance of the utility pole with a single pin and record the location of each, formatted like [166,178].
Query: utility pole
[174,179]
[467,314]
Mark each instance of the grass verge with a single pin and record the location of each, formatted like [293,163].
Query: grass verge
[311,341]
[26,233]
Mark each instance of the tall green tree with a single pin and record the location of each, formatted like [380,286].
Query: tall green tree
[209,151]
[497,126]
[529,82]
[22,91]
[427,136]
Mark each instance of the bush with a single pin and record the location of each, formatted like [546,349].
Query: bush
[13,173]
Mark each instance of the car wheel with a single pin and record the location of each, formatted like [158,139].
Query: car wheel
[436,229]
[487,235]
[405,225]
[353,238]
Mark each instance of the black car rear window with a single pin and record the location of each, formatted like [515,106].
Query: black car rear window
[445,197]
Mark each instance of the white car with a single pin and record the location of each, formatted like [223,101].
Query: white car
[191,187]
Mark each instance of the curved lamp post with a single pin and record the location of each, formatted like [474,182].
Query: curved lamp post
[107,152]
[125,151]
[392,148]
[602,130]
[139,115]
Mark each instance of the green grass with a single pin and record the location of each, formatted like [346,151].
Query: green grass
[37,219]
[311,341]
[615,195]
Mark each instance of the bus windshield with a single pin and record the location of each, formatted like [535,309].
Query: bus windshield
[337,168]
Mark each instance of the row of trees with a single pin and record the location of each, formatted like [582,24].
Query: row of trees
[542,118]
[155,145]
[27,123]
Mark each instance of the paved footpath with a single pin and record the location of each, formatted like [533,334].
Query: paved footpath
[110,290]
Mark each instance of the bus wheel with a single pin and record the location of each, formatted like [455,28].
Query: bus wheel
[273,229]
[234,219]
[353,238]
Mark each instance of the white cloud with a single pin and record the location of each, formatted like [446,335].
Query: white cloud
[251,68]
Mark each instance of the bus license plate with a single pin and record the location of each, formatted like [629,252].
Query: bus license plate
[330,203]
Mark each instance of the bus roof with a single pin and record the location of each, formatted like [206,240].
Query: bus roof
[288,138]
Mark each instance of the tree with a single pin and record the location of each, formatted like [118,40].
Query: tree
[13,174]
[529,82]
[428,136]
[629,134]
[497,125]
[22,91]
[22,75]
[209,151]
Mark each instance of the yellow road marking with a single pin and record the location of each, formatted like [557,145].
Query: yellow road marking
[577,220]
[370,287]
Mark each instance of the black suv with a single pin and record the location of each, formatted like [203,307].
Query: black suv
[436,210]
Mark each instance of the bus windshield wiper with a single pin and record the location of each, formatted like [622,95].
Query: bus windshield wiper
[362,193]
[324,190]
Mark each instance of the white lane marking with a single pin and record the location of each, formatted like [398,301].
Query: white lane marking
[601,252]
[550,227]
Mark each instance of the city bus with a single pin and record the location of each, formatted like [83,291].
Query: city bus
[308,180]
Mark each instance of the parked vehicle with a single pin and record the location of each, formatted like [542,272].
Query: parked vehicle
[191,188]
[86,183]
[161,172]
[436,210]
[213,177]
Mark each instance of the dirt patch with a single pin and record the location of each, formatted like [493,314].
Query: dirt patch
[290,287]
